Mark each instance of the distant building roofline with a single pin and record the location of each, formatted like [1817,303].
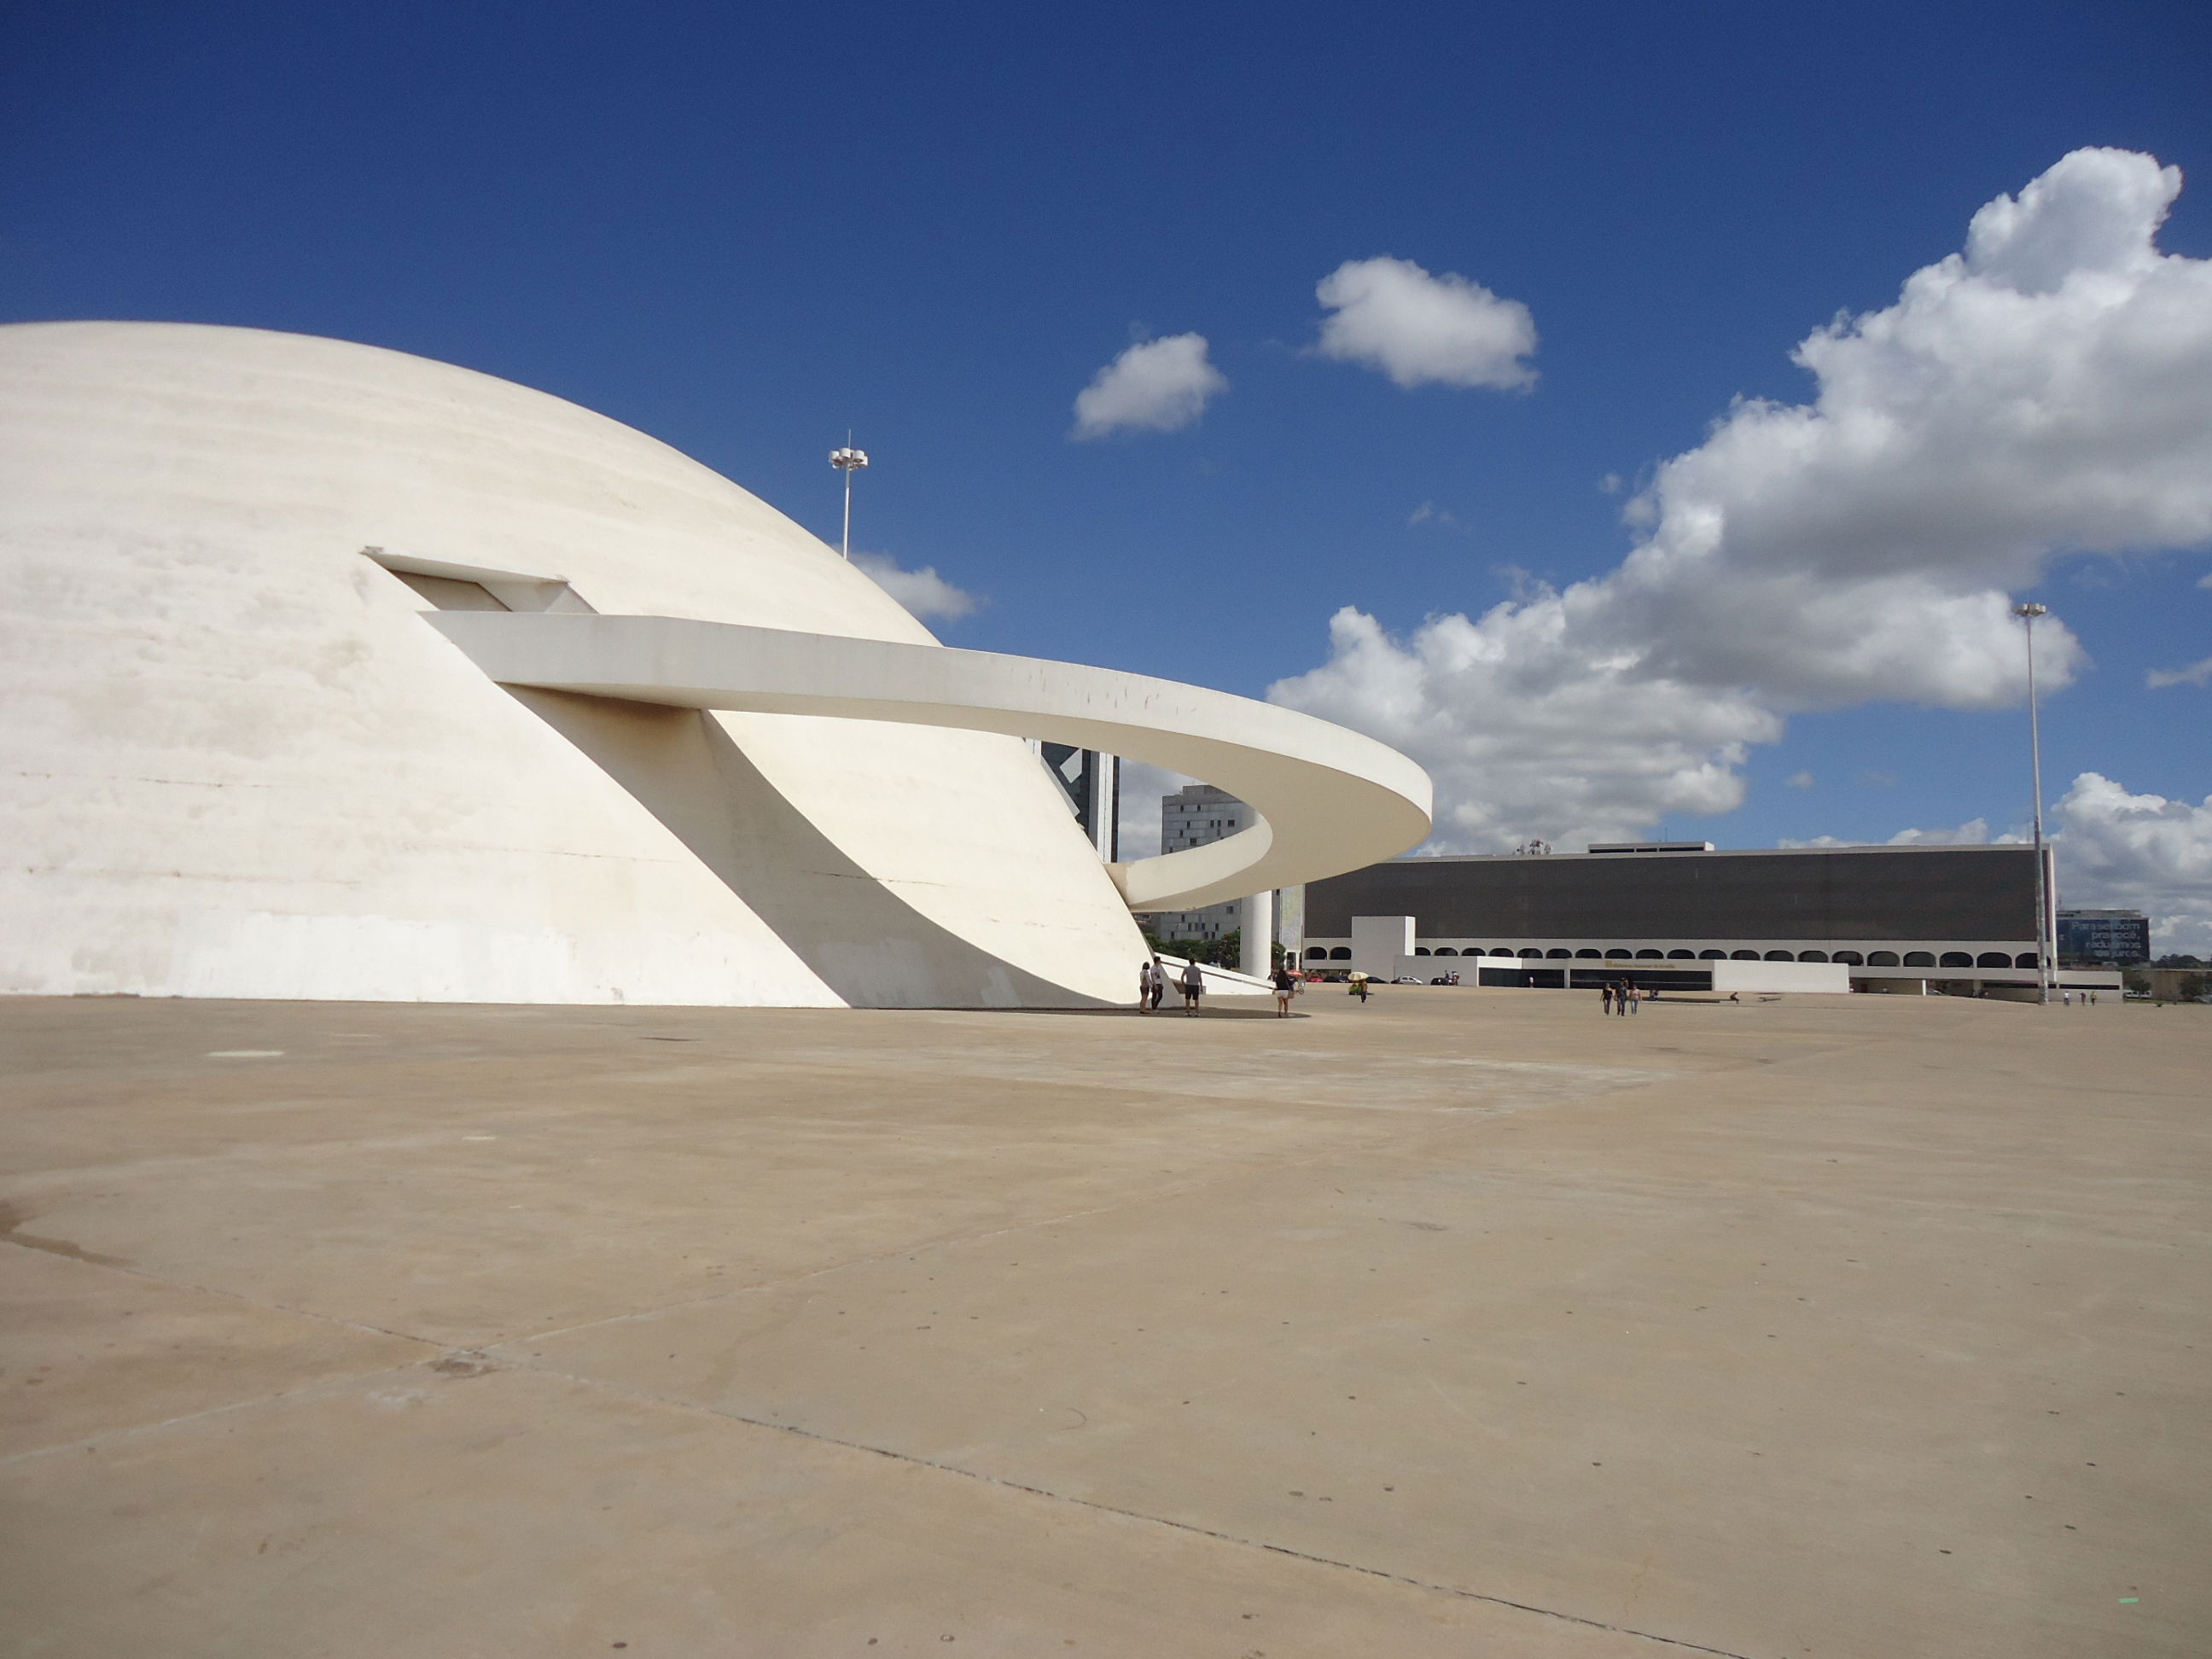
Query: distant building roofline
[1651,849]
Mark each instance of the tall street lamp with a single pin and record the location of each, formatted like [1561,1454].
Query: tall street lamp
[849,460]
[2028,611]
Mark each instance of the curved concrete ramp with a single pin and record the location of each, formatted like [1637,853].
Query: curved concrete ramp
[1329,799]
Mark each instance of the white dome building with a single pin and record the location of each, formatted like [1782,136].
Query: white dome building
[249,758]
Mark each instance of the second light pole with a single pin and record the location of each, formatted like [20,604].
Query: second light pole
[849,460]
[2028,611]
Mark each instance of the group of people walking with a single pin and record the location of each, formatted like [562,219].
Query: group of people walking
[1620,997]
[1154,978]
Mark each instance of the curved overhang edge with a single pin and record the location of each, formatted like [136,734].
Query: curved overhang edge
[1329,799]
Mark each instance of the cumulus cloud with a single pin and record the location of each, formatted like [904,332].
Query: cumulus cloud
[2138,853]
[1527,734]
[1156,385]
[1422,330]
[2197,673]
[1974,832]
[922,592]
[2046,392]
[1799,780]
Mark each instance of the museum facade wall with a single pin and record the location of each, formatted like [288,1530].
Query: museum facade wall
[246,765]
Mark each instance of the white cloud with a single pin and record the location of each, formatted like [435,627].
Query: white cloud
[1156,385]
[1421,330]
[2048,392]
[1974,832]
[1429,513]
[1799,780]
[1526,735]
[922,592]
[2138,853]
[2197,673]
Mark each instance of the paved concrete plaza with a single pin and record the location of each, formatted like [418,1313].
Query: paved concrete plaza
[1464,1323]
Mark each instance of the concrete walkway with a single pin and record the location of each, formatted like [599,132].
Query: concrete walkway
[1466,1323]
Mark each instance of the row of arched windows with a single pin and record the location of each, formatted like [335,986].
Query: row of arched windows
[1849,959]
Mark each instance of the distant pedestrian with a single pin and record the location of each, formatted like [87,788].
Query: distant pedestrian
[1286,986]
[1359,986]
[1194,981]
[1605,992]
[1159,984]
[1147,992]
[1635,998]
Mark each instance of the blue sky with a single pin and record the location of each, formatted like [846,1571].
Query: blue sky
[746,229]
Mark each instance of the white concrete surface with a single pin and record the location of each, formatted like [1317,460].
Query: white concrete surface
[1615,943]
[244,765]
[1254,956]
[1442,1326]
[1328,800]
[1219,981]
[1800,977]
[1378,943]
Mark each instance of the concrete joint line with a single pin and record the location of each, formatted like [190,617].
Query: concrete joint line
[321,1385]
[907,1458]
[110,1264]
[1159,1195]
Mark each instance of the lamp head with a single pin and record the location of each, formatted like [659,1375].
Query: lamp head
[848,458]
[2030,609]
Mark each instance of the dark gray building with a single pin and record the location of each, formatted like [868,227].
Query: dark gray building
[1965,913]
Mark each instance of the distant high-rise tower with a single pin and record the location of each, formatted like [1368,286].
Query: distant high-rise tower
[1092,783]
[1194,815]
